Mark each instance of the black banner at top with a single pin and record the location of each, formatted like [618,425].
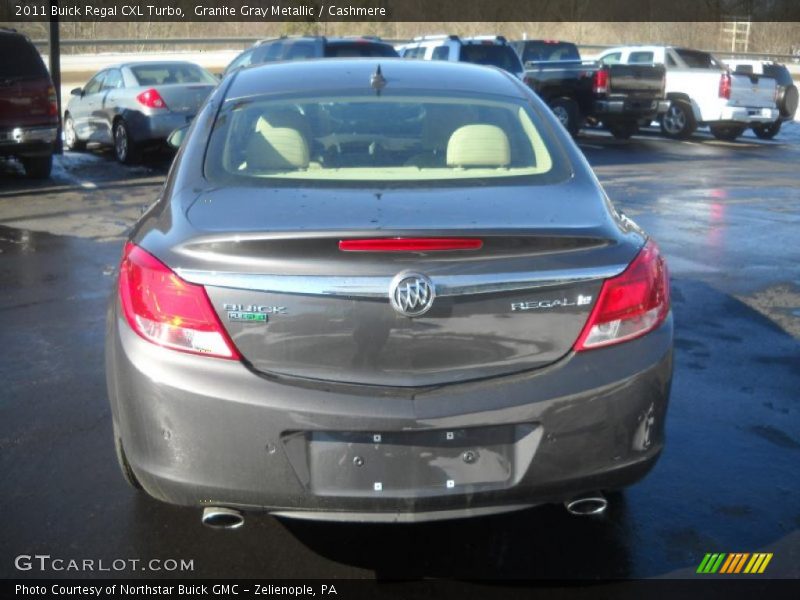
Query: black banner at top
[12,11]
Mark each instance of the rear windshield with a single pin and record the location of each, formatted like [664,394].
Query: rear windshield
[168,73]
[380,139]
[491,54]
[698,60]
[19,59]
[547,51]
[358,49]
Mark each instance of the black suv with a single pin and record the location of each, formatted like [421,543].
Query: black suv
[306,47]
[28,106]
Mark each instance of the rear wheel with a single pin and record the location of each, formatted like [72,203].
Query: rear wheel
[125,149]
[71,140]
[726,133]
[566,111]
[624,130]
[38,167]
[678,122]
[768,131]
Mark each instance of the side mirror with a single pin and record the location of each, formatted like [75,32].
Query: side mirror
[175,139]
[77,91]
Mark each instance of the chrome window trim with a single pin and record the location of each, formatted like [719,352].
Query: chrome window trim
[378,286]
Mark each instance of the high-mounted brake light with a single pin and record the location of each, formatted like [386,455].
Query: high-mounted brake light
[600,83]
[725,85]
[410,244]
[151,99]
[630,304]
[166,310]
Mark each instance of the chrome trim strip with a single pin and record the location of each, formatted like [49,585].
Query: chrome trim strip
[378,286]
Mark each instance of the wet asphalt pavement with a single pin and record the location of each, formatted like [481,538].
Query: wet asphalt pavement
[727,216]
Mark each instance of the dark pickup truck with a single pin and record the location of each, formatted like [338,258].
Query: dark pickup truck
[578,91]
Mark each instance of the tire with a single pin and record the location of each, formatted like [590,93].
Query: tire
[623,130]
[126,150]
[678,122]
[767,132]
[727,133]
[38,167]
[71,140]
[787,102]
[124,465]
[566,111]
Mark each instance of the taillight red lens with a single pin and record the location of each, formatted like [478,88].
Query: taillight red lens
[52,100]
[151,99]
[725,86]
[630,304]
[410,244]
[600,85]
[166,310]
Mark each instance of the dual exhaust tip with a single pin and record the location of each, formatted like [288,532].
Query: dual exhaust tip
[216,517]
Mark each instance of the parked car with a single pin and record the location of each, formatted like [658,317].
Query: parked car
[306,47]
[618,96]
[702,91]
[786,98]
[385,290]
[491,50]
[28,106]
[134,106]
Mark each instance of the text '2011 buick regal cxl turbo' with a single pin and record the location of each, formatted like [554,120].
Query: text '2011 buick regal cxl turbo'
[385,291]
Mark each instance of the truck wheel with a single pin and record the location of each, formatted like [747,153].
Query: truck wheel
[623,131]
[566,111]
[38,167]
[678,122]
[768,131]
[727,133]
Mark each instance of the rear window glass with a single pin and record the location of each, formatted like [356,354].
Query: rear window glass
[169,73]
[358,49]
[491,54]
[547,51]
[698,60]
[19,59]
[380,139]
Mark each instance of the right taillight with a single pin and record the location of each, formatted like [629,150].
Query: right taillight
[168,311]
[600,81]
[725,85]
[630,304]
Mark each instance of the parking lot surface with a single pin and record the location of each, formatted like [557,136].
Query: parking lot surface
[726,215]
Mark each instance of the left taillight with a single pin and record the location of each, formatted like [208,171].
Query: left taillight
[630,304]
[168,311]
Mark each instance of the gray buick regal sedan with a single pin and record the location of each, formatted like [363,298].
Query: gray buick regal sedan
[385,290]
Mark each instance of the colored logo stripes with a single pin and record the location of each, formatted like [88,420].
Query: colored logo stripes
[738,562]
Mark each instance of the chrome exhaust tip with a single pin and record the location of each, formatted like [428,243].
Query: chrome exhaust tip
[217,517]
[587,504]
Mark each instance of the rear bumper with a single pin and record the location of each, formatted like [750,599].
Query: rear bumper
[156,127]
[28,141]
[629,108]
[744,115]
[201,431]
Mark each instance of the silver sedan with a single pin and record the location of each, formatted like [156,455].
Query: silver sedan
[133,106]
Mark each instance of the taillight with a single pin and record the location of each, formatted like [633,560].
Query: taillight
[166,310]
[151,99]
[410,244]
[725,86]
[600,83]
[630,304]
[52,101]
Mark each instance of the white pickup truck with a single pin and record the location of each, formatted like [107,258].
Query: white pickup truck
[702,91]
